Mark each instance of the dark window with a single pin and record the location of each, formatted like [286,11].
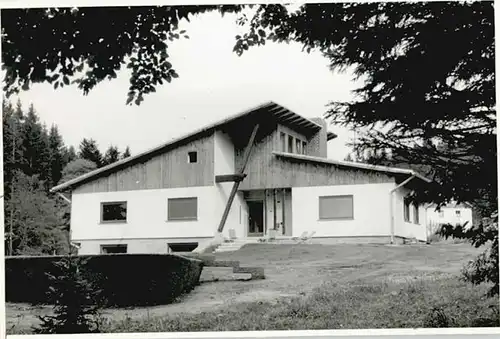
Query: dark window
[336,207]
[192,157]
[290,144]
[407,210]
[183,247]
[114,211]
[416,216]
[183,209]
[283,141]
[113,249]
[298,146]
[304,147]
[458,213]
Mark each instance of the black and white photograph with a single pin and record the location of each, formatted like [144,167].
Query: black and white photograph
[242,167]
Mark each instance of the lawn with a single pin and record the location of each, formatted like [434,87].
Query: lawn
[317,287]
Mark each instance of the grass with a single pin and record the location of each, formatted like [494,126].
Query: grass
[319,287]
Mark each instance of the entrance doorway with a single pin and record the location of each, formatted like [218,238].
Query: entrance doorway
[255,218]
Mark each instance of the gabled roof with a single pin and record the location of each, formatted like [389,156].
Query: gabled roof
[282,115]
[352,164]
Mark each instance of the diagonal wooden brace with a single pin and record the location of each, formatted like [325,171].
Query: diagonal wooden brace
[236,184]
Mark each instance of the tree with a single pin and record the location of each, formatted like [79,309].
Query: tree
[69,154]
[83,53]
[35,145]
[126,153]
[428,92]
[76,300]
[56,155]
[90,151]
[77,168]
[38,226]
[112,155]
[349,157]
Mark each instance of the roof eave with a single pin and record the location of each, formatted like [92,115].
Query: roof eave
[393,170]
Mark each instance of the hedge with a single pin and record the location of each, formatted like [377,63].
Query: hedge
[125,279]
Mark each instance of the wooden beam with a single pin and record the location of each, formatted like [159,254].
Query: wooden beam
[230,177]
[62,196]
[283,199]
[274,210]
[246,156]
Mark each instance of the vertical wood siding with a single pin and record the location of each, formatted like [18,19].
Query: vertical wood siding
[265,170]
[168,170]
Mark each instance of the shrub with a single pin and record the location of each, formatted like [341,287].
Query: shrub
[76,300]
[125,279]
[485,267]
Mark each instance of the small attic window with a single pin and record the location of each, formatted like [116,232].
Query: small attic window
[192,157]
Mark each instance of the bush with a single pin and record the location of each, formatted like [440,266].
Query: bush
[125,279]
[77,302]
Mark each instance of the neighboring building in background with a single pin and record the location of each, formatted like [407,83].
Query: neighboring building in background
[453,213]
[173,197]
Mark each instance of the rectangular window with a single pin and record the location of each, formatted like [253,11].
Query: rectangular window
[458,213]
[113,249]
[183,247]
[182,209]
[441,214]
[416,216]
[304,147]
[290,144]
[298,146]
[407,210]
[336,207]
[192,157]
[114,212]
[283,141]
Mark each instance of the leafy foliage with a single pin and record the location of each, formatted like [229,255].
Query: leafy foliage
[485,267]
[77,51]
[76,300]
[428,93]
[77,168]
[37,225]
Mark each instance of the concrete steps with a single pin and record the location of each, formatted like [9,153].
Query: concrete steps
[225,270]
[234,245]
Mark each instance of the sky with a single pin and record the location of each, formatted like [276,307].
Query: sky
[213,83]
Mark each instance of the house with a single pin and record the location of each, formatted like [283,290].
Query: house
[263,169]
[454,213]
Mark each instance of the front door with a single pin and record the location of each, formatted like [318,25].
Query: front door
[255,218]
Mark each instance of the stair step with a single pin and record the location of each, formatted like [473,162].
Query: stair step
[256,272]
[210,274]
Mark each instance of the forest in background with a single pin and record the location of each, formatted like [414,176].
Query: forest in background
[35,159]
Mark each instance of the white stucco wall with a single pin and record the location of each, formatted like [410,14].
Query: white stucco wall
[224,164]
[449,216]
[146,214]
[371,211]
[408,229]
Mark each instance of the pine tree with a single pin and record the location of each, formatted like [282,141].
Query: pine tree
[35,142]
[90,151]
[112,155]
[69,154]
[76,300]
[56,155]
[126,153]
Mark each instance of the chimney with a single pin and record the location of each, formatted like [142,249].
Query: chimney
[317,144]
